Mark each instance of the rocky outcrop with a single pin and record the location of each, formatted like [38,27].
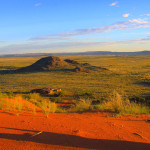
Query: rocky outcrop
[47,91]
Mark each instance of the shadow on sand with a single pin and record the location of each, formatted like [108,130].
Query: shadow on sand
[74,141]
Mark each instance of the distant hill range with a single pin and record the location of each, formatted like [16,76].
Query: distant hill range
[78,53]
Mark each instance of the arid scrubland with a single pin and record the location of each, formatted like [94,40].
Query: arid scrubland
[128,76]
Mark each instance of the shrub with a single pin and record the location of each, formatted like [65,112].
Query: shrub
[115,103]
[18,104]
[88,95]
[83,105]
[3,95]
[34,98]
[122,106]
[48,107]
[61,110]
[134,108]
[138,99]
[56,99]
[60,94]
[2,101]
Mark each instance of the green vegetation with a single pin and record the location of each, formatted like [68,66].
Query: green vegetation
[115,103]
[45,103]
[128,75]
[48,107]
[124,73]
[122,106]
[56,99]
[82,105]
[17,105]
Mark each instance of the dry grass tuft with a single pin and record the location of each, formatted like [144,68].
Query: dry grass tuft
[122,106]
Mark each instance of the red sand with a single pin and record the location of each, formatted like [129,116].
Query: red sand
[74,131]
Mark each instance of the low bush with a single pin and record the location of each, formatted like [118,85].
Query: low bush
[117,104]
[34,98]
[43,103]
[56,99]
[82,105]
[48,107]
[18,105]
[2,101]
[60,94]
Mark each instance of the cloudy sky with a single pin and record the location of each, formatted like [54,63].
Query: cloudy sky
[38,26]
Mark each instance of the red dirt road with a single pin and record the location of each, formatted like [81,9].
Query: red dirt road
[68,131]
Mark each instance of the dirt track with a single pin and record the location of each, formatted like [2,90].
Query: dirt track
[73,131]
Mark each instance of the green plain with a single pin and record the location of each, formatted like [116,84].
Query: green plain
[129,75]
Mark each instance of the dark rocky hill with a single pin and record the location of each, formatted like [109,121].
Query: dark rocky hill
[54,63]
[46,63]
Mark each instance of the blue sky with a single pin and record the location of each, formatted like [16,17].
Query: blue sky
[38,26]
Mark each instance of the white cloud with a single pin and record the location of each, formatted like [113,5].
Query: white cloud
[142,41]
[138,21]
[146,15]
[37,4]
[142,33]
[126,15]
[130,24]
[36,47]
[113,4]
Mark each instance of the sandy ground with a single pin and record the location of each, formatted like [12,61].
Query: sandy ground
[69,131]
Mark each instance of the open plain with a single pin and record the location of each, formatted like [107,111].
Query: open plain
[71,122]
